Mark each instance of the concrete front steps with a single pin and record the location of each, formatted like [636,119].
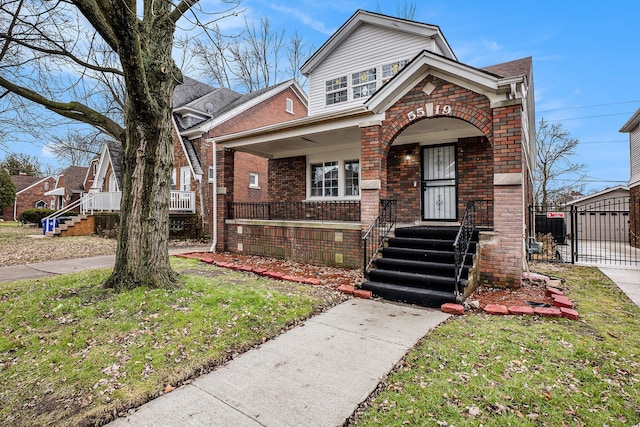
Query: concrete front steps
[417,266]
[80,225]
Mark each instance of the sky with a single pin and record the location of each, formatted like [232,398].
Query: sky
[586,61]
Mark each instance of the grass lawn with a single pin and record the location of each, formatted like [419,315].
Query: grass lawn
[523,371]
[73,353]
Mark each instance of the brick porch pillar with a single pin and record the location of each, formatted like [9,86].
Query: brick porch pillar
[225,165]
[502,251]
[373,174]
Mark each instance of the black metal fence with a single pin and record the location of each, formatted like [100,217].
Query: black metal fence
[342,211]
[594,232]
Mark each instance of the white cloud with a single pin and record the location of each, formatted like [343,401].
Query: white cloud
[307,20]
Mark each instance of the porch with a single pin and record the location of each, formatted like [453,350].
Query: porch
[109,201]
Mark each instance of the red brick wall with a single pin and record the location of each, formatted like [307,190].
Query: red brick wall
[28,198]
[268,112]
[475,176]
[245,164]
[287,179]
[313,245]
[403,172]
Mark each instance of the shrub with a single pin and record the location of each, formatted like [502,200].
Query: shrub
[35,215]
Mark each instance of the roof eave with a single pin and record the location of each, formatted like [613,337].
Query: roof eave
[631,123]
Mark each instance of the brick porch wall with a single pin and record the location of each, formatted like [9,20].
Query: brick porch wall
[287,179]
[336,245]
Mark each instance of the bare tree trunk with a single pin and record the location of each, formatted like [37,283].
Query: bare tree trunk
[142,256]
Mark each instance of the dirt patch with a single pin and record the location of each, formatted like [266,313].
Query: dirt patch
[532,292]
[328,276]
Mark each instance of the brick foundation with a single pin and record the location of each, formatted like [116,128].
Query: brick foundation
[320,244]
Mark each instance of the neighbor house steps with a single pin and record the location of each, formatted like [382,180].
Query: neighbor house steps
[417,266]
[73,226]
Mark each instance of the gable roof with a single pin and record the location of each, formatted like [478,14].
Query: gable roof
[632,122]
[189,90]
[194,102]
[496,87]
[34,183]
[114,149]
[23,181]
[617,189]
[74,177]
[362,17]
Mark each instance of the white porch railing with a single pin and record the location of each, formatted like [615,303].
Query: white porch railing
[180,201]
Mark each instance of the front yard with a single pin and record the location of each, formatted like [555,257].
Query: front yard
[21,245]
[73,353]
[487,370]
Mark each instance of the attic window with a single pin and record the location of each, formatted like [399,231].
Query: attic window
[363,83]
[289,107]
[391,70]
[336,90]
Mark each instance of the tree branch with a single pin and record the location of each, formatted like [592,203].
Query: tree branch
[72,110]
[97,13]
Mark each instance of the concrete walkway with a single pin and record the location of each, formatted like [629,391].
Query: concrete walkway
[313,375]
[72,265]
[627,279]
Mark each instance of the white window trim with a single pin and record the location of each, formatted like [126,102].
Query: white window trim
[379,81]
[341,157]
[185,178]
[212,172]
[257,180]
[289,106]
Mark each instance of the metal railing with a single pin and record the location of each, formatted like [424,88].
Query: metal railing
[342,211]
[463,241]
[109,201]
[49,223]
[378,232]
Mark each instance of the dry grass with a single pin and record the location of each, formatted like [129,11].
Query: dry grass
[22,245]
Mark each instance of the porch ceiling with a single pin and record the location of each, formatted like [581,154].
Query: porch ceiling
[338,134]
[436,131]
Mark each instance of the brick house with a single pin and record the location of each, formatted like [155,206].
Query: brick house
[632,127]
[30,193]
[69,187]
[404,122]
[201,111]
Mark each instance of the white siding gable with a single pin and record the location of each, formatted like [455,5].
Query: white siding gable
[634,138]
[369,46]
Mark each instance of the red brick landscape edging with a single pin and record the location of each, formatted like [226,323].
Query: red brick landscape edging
[346,289]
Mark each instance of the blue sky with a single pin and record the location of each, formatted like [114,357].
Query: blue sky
[586,58]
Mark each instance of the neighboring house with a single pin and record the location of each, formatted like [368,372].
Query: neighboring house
[632,127]
[392,115]
[201,111]
[30,193]
[69,187]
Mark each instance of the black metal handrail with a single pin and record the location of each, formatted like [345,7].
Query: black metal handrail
[378,231]
[343,211]
[463,240]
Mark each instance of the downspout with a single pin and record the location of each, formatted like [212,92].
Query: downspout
[215,198]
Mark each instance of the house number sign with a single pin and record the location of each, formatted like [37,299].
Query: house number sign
[429,110]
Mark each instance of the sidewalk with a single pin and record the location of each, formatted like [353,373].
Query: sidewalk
[313,375]
[72,265]
[627,279]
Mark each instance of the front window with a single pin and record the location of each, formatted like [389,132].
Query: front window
[173,180]
[363,83]
[336,90]
[352,178]
[324,179]
[41,204]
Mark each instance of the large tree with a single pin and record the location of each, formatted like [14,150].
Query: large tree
[21,164]
[7,190]
[77,45]
[557,172]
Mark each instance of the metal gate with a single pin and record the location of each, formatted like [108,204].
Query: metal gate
[598,232]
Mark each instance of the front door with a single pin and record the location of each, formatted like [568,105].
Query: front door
[439,201]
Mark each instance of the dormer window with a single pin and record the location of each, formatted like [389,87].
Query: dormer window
[363,83]
[336,90]
[391,70]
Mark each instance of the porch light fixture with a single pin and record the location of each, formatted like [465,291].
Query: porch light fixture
[407,157]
